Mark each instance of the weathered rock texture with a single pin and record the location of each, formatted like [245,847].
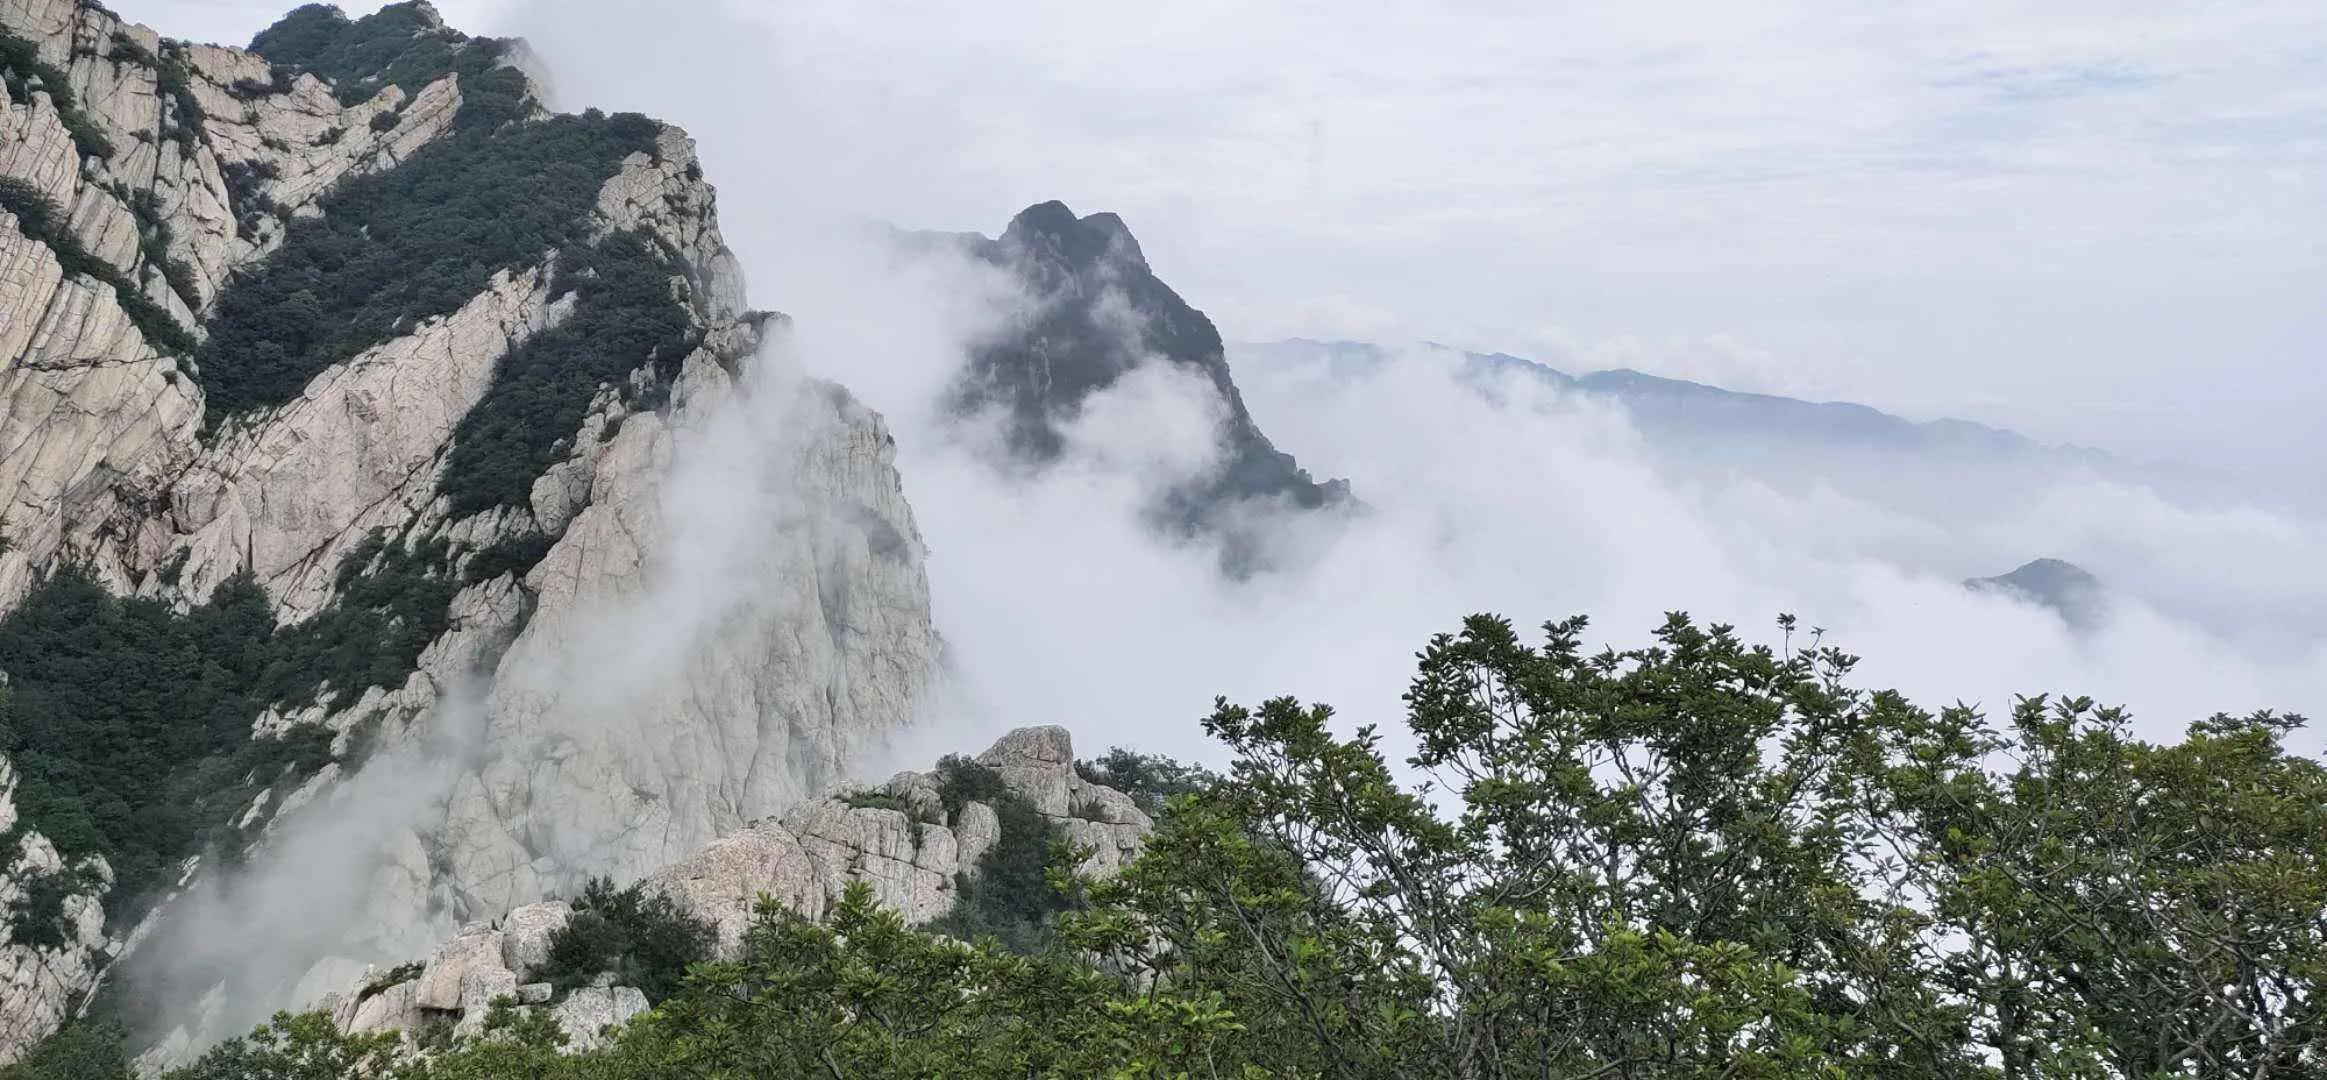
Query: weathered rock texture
[592,759]
[97,426]
[803,858]
[38,981]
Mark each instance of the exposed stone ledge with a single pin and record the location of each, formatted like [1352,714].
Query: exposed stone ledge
[803,859]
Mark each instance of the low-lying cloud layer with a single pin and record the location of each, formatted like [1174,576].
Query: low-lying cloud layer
[1059,606]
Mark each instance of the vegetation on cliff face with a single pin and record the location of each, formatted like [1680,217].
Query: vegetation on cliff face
[23,71]
[1151,780]
[41,219]
[638,938]
[411,243]
[1694,859]
[626,319]
[403,45]
[1007,899]
[501,194]
[1093,283]
[130,724]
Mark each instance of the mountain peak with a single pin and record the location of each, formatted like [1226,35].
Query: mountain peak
[1050,231]
[1089,271]
[2057,584]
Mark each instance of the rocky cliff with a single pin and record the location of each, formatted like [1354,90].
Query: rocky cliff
[352,322]
[914,840]
[901,839]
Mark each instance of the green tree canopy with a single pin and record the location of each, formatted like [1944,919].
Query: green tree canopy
[1697,858]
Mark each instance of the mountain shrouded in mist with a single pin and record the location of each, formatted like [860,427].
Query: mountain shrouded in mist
[2062,586]
[447,625]
[1093,313]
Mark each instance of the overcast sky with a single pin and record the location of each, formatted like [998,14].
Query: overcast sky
[2099,222]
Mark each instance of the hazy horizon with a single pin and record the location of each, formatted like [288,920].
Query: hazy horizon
[2095,224]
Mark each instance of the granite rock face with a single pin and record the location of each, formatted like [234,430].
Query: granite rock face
[802,635]
[96,422]
[803,859]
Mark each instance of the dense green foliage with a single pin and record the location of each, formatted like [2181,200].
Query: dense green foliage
[511,555]
[1150,779]
[40,219]
[1695,859]
[1010,898]
[410,243]
[391,598]
[962,781]
[305,1047]
[625,318]
[399,45]
[116,707]
[81,1050]
[36,916]
[501,193]
[245,194]
[641,938]
[129,723]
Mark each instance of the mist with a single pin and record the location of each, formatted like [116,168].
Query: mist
[703,541]
[1059,605]
[326,895]
[2092,223]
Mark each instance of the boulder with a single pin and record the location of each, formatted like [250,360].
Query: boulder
[587,1012]
[471,959]
[977,830]
[396,1008]
[1038,764]
[526,934]
[723,882]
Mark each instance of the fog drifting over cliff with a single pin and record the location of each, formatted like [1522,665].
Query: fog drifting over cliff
[2005,211]
[1059,607]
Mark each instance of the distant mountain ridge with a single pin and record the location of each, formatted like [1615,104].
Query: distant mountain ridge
[1679,408]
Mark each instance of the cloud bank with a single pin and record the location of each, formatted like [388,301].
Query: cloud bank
[1061,607]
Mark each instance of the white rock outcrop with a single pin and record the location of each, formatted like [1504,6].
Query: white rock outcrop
[802,859]
[587,1013]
